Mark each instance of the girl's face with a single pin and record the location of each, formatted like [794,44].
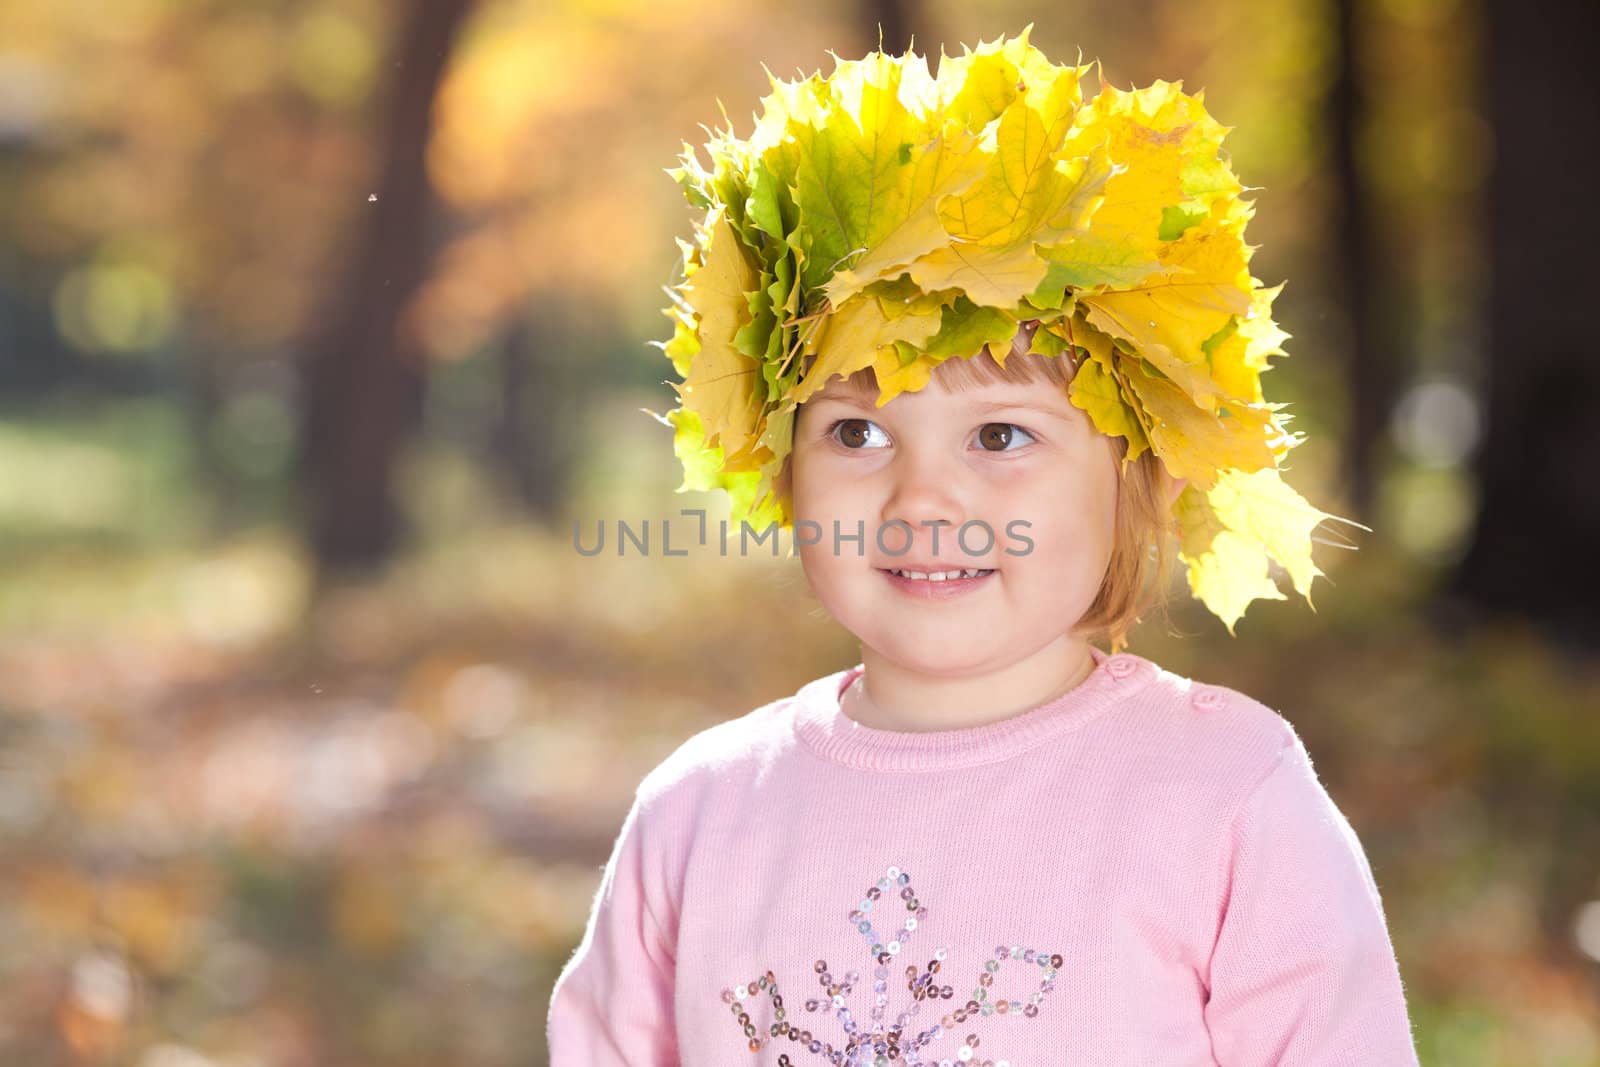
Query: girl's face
[1018,458]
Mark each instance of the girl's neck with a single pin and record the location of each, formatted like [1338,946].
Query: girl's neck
[891,696]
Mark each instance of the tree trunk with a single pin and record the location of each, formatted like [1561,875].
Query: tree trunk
[1533,551]
[364,373]
[896,18]
[534,438]
[1363,277]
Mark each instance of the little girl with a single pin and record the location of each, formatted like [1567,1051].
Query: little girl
[987,347]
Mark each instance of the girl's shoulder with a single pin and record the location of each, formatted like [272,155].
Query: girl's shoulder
[727,752]
[1202,696]
[1215,725]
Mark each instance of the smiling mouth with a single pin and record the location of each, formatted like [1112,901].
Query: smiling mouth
[939,576]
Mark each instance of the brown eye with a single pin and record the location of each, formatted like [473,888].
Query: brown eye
[998,436]
[854,433]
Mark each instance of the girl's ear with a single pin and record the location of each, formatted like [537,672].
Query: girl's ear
[1174,487]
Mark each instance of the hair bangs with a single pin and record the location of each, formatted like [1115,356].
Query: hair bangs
[966,373]
[1020,368]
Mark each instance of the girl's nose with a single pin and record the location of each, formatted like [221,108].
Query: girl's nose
[924,491]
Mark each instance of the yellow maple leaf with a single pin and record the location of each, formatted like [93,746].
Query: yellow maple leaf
[977,86]
[1240,356]
[1025,186]
[895,376]
[1170,318]
[704,469]
[995,277]
[724,386]
[1230,531]
[879,161]
[1029,197]
[850,336]
[1096,392]
[1167,146]
[1194,443]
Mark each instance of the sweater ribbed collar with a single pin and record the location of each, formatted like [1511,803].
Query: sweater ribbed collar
[821,723]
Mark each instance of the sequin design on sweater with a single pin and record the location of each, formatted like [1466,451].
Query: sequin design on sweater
[877,1043]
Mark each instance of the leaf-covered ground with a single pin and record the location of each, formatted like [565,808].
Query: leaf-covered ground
[233,832]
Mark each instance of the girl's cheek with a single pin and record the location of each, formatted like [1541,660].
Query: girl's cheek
[1010,474]
[831,489]
[1027,477]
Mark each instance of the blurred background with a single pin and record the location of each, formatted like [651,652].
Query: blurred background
[322,323]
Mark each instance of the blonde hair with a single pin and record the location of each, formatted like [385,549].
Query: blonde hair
[1138,575]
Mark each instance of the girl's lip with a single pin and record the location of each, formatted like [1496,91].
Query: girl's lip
[927,589]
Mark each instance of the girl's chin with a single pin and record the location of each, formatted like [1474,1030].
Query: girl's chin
[932,654]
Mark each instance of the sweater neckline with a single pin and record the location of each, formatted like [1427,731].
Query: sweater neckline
[820,722]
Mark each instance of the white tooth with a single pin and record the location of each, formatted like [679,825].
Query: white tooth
[937,576]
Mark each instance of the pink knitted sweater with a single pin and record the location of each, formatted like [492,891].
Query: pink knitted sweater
[1143,872]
